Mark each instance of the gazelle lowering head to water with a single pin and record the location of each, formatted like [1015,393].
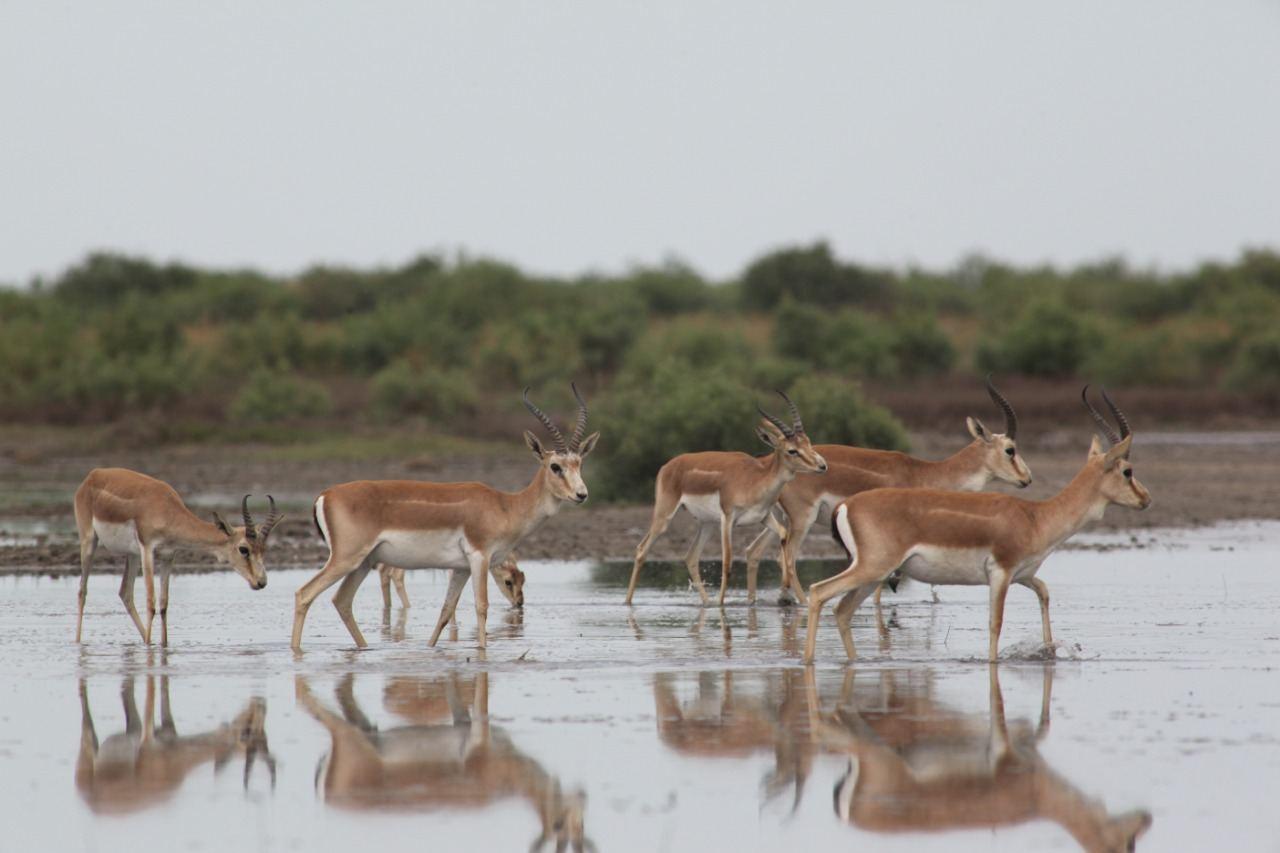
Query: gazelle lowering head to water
[465,526]
[972,539]
[990,456]
[508,576]
[723,489]
[132,514]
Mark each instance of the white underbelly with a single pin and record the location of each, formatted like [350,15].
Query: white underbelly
[118,538]
[423,549]
[704,508]
[948,566]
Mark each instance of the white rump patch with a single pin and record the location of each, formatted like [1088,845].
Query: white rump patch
[846,532]
[323,522]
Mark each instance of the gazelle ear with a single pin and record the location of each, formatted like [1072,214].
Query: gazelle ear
[534,445]
[588,444]
[977,430]
[1095,446]
[222,525]
[767,436]
[1120,451]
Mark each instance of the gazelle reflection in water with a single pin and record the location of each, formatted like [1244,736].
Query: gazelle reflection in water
[144,765]
[916,765]
[460,763]
[726,718]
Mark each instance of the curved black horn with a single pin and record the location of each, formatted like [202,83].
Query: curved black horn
[580,428]
[250,532]
[1117,414]
[783,428]
[556,435]
[273,518]
[1010,417]
[796,424]
[1101,421]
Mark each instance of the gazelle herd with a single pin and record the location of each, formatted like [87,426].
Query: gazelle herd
[895,515]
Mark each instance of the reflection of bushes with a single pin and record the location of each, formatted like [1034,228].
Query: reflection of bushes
[269,396]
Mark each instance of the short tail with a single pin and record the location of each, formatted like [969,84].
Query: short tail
[842,532]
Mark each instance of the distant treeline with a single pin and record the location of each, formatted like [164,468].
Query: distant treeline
[672,361]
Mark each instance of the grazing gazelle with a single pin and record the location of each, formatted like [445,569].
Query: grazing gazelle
[723,489]
[917,765]
[509,577]
[972,539]
[144,765]
[132,514]
[412,524]
[857,469]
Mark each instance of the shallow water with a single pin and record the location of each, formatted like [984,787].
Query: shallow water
[662,727]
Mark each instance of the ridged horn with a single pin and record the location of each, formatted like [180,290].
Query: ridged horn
[1010,417]
[556,435]
[579,428]
[1099,419]
[250,531]
[796,424]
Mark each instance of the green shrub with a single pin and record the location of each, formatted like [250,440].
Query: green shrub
[698,345]
[670,289]
[406,388]
[1047,339]
[1257,365]
[645,423]
[812,274]
[919,346]
[842,341]
[269,396]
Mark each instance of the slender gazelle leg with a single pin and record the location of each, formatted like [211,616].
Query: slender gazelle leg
[1041,589]
[148,560]
[397,577]
[773,527]
[663,509]
[343,598]
[693,555]
[335,569]
[384,580]
[844,615]
[457,580]
[88,545]
[165,572]
[126,594]
[480,592]
[726,550]
[999,590]
[864,569]
[798,526]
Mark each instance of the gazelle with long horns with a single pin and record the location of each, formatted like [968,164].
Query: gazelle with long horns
[723,489]
[990,456]
[132,514]
[417,525]
[972,539]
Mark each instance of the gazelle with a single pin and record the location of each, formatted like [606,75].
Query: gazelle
[459,762]
[990,456]
[413,524]
[132,514]
[972,539]
[508,575]
[918,766]
[726,489]
[145,765]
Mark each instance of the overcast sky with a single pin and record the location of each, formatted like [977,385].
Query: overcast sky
[575,136]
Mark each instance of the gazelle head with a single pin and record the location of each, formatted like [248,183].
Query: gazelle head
[1119,484]
[1001,456]
[511,581]
[790,442]
[246,544]
[563,462]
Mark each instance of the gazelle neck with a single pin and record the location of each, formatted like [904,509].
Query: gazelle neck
[532,505]
[190,531]
[1079,502]
[964,470]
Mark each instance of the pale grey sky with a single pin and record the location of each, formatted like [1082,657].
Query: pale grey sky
[575,136]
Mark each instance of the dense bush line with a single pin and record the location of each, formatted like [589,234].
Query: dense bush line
[673,361]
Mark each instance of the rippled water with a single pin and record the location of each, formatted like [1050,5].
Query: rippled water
[659,727]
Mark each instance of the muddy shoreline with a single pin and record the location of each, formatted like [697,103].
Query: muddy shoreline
[1196,479]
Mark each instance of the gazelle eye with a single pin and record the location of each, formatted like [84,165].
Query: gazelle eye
[1010,452]
[556,469]
[1128,473]
[244,551]
[793,452]
[508,584]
